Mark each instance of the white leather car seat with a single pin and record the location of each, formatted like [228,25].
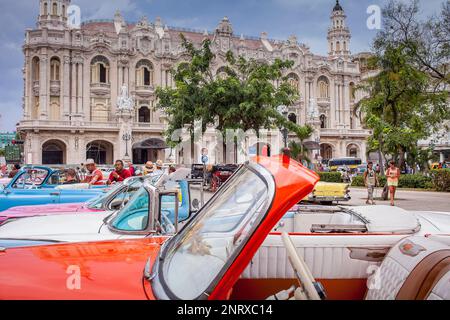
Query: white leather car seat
[415,268]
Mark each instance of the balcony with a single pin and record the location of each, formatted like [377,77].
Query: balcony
[36,88]
[61,125]
[145,91]
[323,102]
[55,87]
[149,127]
[100,89]
[344,133]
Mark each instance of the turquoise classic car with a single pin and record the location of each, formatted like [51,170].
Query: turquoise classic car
[42,185]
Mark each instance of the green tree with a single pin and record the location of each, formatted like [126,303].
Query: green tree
[401,108]
[427,40]
[244,96]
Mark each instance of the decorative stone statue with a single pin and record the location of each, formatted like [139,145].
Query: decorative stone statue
[125,102]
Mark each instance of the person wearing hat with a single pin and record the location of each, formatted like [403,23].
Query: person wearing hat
[148,168]
[93,175]
[159,168]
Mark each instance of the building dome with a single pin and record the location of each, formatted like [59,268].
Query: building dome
[338,7]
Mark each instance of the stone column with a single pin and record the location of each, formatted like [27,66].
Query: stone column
[65,87]
[44,88]
[86,109]
[28,88]
[73,94]
[80,89]
[115,82]
[347,111]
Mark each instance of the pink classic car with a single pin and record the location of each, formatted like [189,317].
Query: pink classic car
[111,199]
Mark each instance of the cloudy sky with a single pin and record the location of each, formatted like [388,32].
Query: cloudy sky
[307,19]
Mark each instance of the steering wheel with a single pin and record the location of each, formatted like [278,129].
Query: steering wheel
[301,270]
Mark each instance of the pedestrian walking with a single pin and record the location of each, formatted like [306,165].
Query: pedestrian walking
[371,182]
[393,176]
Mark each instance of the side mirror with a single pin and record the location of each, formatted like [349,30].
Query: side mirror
[196,204]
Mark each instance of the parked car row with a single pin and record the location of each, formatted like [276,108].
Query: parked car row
[244,243]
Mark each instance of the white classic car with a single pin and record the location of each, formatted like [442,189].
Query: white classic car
[342,246]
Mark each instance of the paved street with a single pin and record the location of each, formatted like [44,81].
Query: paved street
[409,200]
[406,199]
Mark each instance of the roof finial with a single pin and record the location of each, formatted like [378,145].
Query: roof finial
[338,6]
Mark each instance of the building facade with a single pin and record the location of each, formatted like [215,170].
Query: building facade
[74,77]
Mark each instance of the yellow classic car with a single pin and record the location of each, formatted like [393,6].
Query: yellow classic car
[329,192]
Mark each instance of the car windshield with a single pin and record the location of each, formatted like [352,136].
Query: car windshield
[134,216]
[123,196]
[197,255]
[98,202]
[31,178]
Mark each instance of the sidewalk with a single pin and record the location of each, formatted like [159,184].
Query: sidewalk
[406,199]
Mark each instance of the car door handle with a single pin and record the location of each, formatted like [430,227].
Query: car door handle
[55,193]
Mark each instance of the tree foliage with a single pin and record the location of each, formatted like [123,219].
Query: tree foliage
[245,95]
[400,107]
[427,40]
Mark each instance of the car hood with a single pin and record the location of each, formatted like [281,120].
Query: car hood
[40,210]
[438,222]
[97,270]
[51,227]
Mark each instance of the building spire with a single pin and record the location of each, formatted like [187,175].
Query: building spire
[338,34]
[338,7]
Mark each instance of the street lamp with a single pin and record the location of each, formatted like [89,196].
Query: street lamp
[126,137]
[283,110]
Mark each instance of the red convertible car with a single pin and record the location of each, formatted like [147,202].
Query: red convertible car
[203,261]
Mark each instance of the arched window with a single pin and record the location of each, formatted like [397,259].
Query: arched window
[323,86]
[101,151]
[332,47]
[221,73]
[55,9]
[45,9]
[338,46]
[323,121]
[293,80]
[326,151]
[100,70]
[352,151]
[64,13]
[144,73]
[144,115]
[53,152]
[35,69]
[293,118]
[55,69]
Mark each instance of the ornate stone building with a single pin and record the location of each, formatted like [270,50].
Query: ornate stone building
[73,78]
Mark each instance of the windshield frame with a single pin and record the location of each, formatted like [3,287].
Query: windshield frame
[110,195]
[150,192]
[159,285]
